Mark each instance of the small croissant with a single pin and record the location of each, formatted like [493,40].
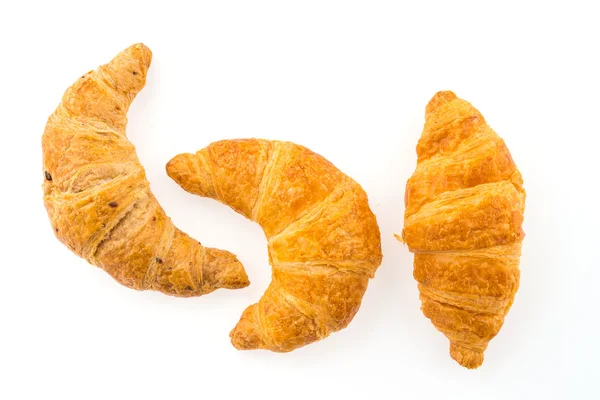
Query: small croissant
[324,242]
[99,201]
[464,211]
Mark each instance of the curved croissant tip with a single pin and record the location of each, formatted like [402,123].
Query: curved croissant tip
[176,165]
[245,335]
[439,99]
[144,53]
[222,269]
[233,275]
[468,358]
[138,53]
[129,68]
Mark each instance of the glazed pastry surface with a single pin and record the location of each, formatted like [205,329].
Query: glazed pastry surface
[464,211]
[324,241]
[98,198]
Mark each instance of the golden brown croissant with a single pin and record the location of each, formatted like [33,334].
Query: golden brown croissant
[464,211]
[99,201]
[324,242]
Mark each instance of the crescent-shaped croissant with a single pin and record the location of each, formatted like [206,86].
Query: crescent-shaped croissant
[324,241]
[464,211]
[99,201]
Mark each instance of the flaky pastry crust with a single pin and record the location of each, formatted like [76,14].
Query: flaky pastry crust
[324,241]
[99,200]
[464,211]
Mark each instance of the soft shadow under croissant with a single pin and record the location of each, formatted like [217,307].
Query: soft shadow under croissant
[464,211]
[324,241]
[99,200]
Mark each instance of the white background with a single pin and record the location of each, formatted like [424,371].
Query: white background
[350,80]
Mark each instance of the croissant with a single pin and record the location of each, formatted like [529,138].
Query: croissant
[324,242]
[464,211]
[98,199]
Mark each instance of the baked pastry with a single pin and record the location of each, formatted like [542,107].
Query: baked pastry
[464,211]
[324,242]
[99,201]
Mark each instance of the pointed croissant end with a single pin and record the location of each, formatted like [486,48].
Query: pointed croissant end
[246,334]
[129,68]
[438,100]
[192,173]
[222,269]
[468,358]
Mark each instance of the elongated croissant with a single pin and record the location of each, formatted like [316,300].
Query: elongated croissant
[464,211]
[324,241]
[99,201]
